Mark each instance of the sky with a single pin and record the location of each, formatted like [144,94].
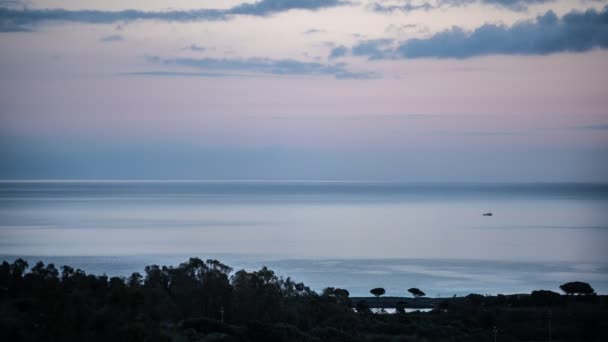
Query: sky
[388,90]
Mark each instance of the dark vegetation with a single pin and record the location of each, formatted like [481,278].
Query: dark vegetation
[577,287]
[377,291]
[205,301]
[416,292]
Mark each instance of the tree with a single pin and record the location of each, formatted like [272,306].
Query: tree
[135,280]
[544,297]
[362,307]
[18,268]
[377,292]
[341,293]
[338,295]
[416,292]
[577,287]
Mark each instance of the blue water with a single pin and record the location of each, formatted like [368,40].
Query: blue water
[356,235]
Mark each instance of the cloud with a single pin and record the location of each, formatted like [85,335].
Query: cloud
[485,133]
[574,32]
[266,66]
[401,28]
[409,6]
[373,48]
[599,127]
[112,38]
[353,117]
[9,27]
[515,5]
[195,48]
[10,17]
[313,31]
[266,7]
[338,51]
[12,3]
[34,16]
[179,74]
[546,227]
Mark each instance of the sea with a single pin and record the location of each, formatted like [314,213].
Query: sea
[353,235]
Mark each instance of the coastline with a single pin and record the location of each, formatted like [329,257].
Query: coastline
[440,278]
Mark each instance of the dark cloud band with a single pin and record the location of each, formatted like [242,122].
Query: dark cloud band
[574,32]
[12,20]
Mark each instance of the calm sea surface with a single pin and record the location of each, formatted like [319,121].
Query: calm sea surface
[345,234]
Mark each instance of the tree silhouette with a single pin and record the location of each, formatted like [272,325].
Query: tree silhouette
[204,301]
[337,294]
[377,292]
[416,292]
[577,287]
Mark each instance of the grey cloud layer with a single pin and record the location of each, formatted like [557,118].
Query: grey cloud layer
[12,20]
[574,32]
[265,66]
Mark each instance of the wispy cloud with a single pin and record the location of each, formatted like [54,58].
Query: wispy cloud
[409,6]
[313,31]
[266,7]
[179,74]
[112,38]
[546,227]
[481,133]
[11,27]
[599,127]
[338,51]
[406,7]
[265,66]
[354,117]
[489,133]
[515,5]
[195,48]
[373,49]
[574,32]
[11,18]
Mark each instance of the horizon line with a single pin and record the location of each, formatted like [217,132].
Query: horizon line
[75,180]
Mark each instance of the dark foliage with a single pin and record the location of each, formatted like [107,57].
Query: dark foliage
[205,301]
[416,292]
[577,287]
[377,292]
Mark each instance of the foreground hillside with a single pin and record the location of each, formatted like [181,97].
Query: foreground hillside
[207,301]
